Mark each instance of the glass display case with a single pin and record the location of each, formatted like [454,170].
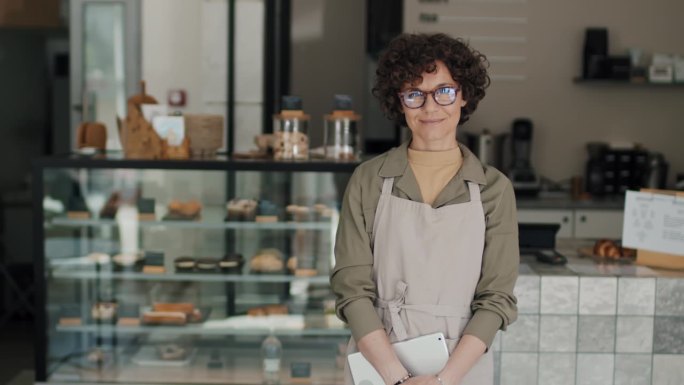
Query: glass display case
[187,271]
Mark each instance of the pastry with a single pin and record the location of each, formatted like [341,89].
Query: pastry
[292,263]
[207,265]
[606,248]
[179,210]
[262,311]
[99,258]
[267,261]
[299,213]
[231,263]
[171,352]
[191,313]
[164,318]
[184,264]
[127,260]
[103,311]
[241,209]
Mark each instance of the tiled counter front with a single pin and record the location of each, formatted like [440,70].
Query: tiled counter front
[597,330]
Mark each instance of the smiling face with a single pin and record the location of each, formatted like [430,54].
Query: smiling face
[434,126]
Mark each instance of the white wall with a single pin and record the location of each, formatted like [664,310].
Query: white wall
[566,115]
[184,46]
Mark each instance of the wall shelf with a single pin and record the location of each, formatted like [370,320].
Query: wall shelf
[620,82]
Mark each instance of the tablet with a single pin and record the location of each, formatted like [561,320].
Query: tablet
[424,355]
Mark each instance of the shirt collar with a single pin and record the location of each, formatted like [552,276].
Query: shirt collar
[396,163]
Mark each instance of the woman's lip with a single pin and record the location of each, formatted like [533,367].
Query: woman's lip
[430,121]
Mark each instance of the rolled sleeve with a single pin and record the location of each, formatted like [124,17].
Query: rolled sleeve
[352,278]
[494,305]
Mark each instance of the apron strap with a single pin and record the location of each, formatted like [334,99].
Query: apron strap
[387,186]
[395,305]
[474,190]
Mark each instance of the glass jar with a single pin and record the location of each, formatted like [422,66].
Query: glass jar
[341,136]
[291,136]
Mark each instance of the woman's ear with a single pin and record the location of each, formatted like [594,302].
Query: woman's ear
[463,103]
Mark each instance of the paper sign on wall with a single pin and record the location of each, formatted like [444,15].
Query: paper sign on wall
[654,222]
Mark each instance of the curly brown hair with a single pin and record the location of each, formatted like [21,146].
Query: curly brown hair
[408,56]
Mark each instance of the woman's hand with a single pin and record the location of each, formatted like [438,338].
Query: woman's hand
[423,380]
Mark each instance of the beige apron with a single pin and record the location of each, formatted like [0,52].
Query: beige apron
[426,265]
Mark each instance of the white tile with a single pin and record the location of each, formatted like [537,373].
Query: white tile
[670,297]
[598,296]
[633,369]
[518,368]
[596,334]
[595,369]
[559,295]
[558,333]
[634,334]
[522,335]
[636,296]
[527,291]
[557,369]
[668,369]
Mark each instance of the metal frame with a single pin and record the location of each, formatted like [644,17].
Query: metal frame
[278,18]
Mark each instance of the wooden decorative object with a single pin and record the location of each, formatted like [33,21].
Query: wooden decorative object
[139,139]
[90,134]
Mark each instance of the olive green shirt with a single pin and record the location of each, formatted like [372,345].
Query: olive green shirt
[494,305]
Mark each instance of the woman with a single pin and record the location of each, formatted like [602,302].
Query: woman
[425,228]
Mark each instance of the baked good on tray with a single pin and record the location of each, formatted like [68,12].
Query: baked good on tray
[184,264]
[179,210]
[104,311]
[241,209]
[267,261]
[261,311]
[606,248]
[207,265]
[231,263]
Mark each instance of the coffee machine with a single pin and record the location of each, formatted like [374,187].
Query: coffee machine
[525,180]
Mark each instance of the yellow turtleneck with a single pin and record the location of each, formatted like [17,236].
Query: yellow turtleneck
[434,169]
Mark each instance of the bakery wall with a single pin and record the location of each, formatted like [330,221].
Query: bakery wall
[184,46]
[567,115]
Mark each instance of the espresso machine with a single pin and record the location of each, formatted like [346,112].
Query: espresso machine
[525,180]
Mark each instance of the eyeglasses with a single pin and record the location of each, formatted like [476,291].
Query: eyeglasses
[443,96]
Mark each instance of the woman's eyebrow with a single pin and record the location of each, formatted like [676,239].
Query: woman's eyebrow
[436,87]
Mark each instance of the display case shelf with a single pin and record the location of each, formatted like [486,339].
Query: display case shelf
[70,273]
[200,330]
[198,224]
[626,83]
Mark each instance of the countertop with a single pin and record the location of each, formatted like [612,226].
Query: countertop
[562,200]
[583,266]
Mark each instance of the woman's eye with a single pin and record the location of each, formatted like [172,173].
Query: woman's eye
[444,90]
[414,94]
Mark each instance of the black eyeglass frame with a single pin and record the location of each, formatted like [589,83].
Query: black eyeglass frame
[426,93]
